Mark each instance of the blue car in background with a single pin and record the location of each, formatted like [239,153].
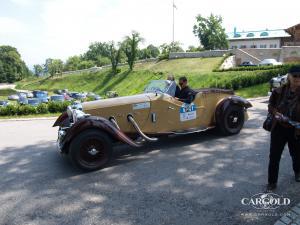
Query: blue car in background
[30,101]
[3,103]
[41,95]
[57,98]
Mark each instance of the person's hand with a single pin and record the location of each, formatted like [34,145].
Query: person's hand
[281,118]
[278,116]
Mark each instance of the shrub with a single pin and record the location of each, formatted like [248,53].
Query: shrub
[42,108]
[9,110]
[26,110]
[56,107]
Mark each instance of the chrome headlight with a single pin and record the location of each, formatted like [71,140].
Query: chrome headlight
[75,112]
[78,114]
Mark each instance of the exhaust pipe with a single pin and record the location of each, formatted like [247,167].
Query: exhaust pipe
[114,122]
[130,119]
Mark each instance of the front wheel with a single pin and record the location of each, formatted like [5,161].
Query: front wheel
[232,120]
[90,150]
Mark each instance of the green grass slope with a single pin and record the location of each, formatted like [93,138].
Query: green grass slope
[198,71]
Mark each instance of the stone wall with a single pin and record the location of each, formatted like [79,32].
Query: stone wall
[290,54]
[204,54]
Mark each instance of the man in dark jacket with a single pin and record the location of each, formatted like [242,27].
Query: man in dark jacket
[284,105]
[185,94]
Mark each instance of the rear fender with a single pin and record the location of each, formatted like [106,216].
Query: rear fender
[227,102]
[99,123]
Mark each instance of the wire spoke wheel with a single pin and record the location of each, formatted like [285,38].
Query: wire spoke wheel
[91,150]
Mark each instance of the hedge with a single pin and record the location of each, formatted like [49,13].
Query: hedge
[253,68]
[19,110]
[236,80]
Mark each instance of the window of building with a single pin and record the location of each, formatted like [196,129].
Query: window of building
[263,46]
[253,46]
[234,47]
[236,35]
[273,46]
[264,34]
[243,46]
[250,35]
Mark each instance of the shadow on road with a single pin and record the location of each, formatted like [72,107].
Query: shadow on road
[190,179]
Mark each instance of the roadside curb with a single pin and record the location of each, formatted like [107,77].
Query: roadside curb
[291,217]
[27,119]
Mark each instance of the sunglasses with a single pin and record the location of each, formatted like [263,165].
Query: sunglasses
[296,75]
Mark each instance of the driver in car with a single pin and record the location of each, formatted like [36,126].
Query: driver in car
[186,94]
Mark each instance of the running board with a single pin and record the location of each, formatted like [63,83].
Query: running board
[192,131]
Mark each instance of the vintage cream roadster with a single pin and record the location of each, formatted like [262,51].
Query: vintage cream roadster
[88,132]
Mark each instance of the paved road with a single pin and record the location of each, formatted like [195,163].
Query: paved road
[194,179]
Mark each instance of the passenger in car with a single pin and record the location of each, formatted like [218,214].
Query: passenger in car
[186,94]
[172,78]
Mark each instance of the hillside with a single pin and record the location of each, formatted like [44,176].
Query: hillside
[198,71]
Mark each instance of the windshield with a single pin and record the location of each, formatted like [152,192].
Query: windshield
[161,86]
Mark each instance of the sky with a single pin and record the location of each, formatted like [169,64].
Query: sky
[42,29]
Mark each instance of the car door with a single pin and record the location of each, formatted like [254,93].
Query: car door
[171,115]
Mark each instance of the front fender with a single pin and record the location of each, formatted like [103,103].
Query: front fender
[231,100]
[100,123]
[62,120]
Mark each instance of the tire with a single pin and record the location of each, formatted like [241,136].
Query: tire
[90,150]
[232,120]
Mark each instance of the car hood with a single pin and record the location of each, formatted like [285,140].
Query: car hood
[103,103]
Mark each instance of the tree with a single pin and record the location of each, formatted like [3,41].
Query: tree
[38,70]
[72,63]
[12,68]
[165,49]
[97,49]
[115,56]
[154,51]
[85,64]
[130,47]
[210,32]
[192,48]
[150,52]
[56,66]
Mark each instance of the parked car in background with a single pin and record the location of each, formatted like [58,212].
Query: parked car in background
[30,101]
[269,62]
[77,96]
[41,95]
[23,101]
[3,103]
[277,82]
[57,98]
[112,94]
[63,91]
[25,94]
[247,63]
[29,95]
[93,96]
[13,97]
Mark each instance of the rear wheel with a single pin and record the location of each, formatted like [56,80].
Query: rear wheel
[91,150]
[232,120]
